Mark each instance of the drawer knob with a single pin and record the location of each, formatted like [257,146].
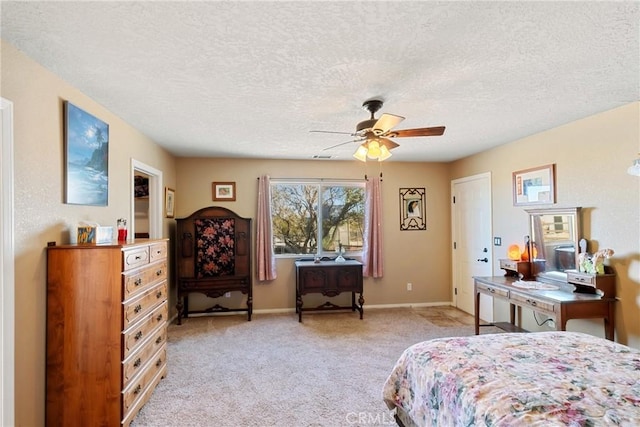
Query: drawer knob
[138,308]
[159,294]
[138,281]
[533,303]
[137,389]
[138,336]
[159,318]
[159,339]
[159,273]
[138,257]
[137,363]
[158,363]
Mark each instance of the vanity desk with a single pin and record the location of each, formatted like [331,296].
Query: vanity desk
[549,281]
[560,303]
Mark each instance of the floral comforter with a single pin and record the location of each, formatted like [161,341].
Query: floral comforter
[541,378]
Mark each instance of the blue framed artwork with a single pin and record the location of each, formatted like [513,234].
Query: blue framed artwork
[86,158]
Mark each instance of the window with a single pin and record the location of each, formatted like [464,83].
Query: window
[306,213]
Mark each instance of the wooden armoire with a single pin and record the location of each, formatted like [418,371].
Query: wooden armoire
[213,257]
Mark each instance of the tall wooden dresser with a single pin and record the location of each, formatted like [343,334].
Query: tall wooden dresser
[106,331]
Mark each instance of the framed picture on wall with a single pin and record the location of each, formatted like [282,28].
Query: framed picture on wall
[86,164]
[224,191]
[535,186]
[413,209]
[169,202]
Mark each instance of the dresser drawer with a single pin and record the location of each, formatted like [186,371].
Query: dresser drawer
[143,397]
[142,382]
[136,257]
[138,281]
[491,290]
[158,251]
[136,308]
[133,365]
[538,304]
[135,336]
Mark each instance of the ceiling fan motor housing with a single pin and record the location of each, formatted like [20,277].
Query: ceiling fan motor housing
[367,124]
[372,105]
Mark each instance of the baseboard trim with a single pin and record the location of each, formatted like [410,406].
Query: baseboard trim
[293,310]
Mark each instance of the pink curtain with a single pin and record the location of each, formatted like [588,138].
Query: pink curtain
[266,259]
[372,250]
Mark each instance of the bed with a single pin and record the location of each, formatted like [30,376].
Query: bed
[511,379]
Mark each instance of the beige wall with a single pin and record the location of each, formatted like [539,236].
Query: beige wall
[40,214]
[591,156]
[419,257]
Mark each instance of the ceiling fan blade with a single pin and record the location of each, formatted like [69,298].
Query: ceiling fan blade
[388,143]
[342,143]
[330,131]
[385,123]
[434,131]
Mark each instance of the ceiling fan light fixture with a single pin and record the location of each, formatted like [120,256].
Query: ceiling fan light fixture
[635,168]
[374,149]
[384,153]
[361,153]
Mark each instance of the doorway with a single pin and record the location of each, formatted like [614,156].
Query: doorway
[471,234]
[154,200]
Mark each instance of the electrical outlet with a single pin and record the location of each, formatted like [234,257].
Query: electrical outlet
[409,286]
[228,295]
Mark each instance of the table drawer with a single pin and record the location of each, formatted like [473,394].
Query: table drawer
[491,290]
[135,336]
[136,308]
[136,257]
[581,278]
[528,300]
[138,387]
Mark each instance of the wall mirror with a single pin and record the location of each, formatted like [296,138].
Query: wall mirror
[555,233]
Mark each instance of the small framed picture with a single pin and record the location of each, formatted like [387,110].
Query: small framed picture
[413,209]
[169,202]
[535,186]
[224,191]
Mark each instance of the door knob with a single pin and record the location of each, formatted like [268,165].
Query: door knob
[485,259]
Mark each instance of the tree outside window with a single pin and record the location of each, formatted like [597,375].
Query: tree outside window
[304,214]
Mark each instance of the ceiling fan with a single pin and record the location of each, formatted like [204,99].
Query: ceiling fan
[375,133]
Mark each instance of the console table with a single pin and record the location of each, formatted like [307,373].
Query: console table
[329,278]
[562,304]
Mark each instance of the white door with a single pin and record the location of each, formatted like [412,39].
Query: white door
[472,250]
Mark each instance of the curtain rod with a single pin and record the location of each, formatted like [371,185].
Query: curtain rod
[318,179]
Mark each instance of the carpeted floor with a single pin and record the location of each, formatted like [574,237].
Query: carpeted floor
[273,371]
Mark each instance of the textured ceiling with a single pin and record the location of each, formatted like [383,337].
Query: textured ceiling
[251,79]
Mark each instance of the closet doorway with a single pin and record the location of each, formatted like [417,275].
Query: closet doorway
[146,211]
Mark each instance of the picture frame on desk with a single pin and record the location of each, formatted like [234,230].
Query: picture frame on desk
[224,191]
[535,186]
